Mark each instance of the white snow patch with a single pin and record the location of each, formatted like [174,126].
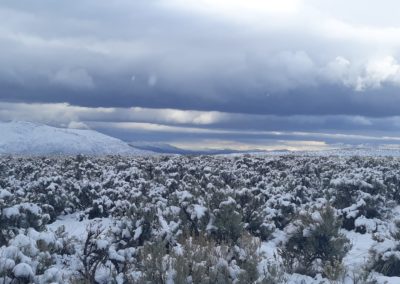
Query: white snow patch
[359,253]
[23,270]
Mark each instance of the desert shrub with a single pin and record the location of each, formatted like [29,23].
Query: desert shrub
[315,239]
[65,243]
[94,254]
[50,195]
[286,211]
[200,259]
[6,232]
[387,262]
[153,261]
[195,219]
[193,259]
[273,273]
[228,221]
[98,209]
[385,258]
[29,257]
[248,258]
[22,216]
[252,205]
[137,227]
[366,206]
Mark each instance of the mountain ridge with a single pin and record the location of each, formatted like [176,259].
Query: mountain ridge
[23,137]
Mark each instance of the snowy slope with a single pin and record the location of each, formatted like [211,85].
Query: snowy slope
[18,137]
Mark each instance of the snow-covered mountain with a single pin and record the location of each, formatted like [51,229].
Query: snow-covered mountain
[19,137]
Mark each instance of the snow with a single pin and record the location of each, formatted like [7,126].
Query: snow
[270,248]
[123,201]
[369,224]
[387,280]
[316,216]
[45,236]
[359,253]
[38,139]
[23,270]
[102,244]
[198,211]
[53,275]
[6,263]
[4,194]
[15,210]
[11,211]
[138,232]
[78,228]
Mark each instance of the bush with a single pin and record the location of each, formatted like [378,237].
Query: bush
[18,217]
[94,254]
[387,263]
[387,260]
[200,259]
[315,243]
[274,273]
[154,264]
[228,222]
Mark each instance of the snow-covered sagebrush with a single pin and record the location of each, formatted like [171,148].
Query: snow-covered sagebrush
[199,219]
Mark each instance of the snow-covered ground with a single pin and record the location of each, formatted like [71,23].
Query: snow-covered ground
[337,151]
[124,219]
[77,225]
[354,261]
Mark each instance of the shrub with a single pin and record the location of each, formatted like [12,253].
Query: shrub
[94,253]
[252,207]
[248,258]
[387,260]
[154,265]
[21,216]
[387,263]
[228,221]
[315,238]
[273,273]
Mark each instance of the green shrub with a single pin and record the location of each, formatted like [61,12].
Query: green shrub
[316,238]
[228,221]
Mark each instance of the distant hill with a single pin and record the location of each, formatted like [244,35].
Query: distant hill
[165,148]
[19,137]
[338,150]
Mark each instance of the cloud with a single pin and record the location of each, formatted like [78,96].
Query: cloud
[290,65]
[77,125]
[152,81]
[373,74]
[264,145]
[338,71]
[143,124]
[73,78]
[188,117]
[378,72]
[316,139]
[249,12]
[64,114]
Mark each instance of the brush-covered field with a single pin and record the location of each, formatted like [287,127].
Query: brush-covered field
[200,219]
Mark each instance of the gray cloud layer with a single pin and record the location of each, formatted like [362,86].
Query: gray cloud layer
[293,65]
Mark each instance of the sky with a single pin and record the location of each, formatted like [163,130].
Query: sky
[265,74]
